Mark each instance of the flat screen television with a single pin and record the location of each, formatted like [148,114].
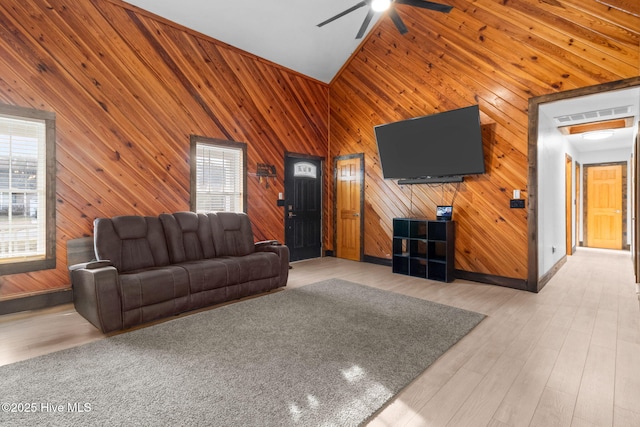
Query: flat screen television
[441,147]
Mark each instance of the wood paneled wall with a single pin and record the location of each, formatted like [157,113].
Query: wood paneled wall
[128,90]
[495,53]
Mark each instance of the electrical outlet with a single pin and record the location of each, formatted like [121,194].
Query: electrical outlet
[516,204]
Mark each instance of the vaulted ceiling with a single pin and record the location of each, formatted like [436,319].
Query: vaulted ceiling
[283,31]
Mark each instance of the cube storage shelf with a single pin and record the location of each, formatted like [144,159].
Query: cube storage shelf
[424,248]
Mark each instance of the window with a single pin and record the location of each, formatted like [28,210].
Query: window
[218,175]
[27,190]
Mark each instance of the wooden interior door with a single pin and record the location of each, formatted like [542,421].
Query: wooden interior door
[569,204]
[349,173]
[604,206]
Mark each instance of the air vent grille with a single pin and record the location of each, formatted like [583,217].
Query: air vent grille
[605,113]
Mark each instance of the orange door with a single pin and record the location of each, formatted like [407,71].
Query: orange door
[348,206]
[604,207]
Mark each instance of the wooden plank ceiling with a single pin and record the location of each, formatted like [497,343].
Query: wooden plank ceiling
[630,6]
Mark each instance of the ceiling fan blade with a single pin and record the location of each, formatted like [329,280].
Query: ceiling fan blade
[341,14]
[398,21]
[365,24]
[427,5]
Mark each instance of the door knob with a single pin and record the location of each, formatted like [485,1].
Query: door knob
[356,214]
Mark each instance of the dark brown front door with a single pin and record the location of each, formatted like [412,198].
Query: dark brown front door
[303,206]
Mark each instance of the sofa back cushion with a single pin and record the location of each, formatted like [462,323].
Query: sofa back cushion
[130,242]
[236,231]
[189,236]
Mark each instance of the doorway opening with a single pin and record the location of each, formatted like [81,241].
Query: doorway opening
[550,133]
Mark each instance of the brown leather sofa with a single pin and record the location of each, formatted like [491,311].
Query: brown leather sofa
[149,268]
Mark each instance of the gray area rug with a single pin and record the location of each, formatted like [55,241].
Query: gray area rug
[327,354]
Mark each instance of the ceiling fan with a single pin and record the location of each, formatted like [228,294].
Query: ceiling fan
[381,6]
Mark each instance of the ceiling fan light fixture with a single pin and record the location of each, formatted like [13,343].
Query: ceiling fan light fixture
[377,6]
[380,5]
[597,135]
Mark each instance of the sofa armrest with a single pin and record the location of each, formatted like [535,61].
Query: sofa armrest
[266,243]
[96,296]
[283,253]
[91,265]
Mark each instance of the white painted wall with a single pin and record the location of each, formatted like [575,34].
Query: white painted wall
[552,149]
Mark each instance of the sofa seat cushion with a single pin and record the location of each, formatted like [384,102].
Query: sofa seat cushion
[258,265]
[154,285]
[207,274]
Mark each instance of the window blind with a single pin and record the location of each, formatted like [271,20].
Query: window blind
[22,188]
[219,178]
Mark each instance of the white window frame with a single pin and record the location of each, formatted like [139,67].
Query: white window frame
[211,156]
[28,245]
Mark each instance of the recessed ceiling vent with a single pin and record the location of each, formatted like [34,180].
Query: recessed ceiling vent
[606,113]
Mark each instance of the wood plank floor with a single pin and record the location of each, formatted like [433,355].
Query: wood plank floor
[568,356]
